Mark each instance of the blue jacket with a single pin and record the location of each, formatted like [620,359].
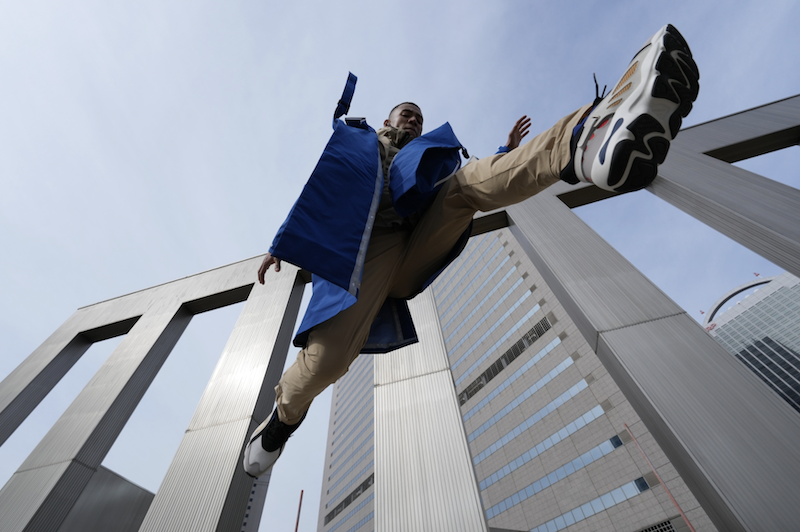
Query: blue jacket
[327,230]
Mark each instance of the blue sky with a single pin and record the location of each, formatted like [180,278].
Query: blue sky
[143,142]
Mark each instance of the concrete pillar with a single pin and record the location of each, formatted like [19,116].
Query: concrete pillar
[730,438]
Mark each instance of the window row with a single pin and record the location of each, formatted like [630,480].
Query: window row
[562,472]
[484,379]
[604,502]
[498,322]
[366,384]
[366,428]
[352,417]
[350,484]
[471,249]
[468,280]
[355,375]
[459,266]
[475,293]
[355,451]
[523,321]
[343,437]
[361,523]
[350,514]
[535,387]
[542,446]
[482,308]
[350,498]
[361,458]
[531,421]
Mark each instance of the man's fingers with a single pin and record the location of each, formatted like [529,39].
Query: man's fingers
[265,264]
[519,131]
[262,270]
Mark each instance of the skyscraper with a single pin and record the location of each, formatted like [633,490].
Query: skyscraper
[762,330]
[544,421]
[349,455]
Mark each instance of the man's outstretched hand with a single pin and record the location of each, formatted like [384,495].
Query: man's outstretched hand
[518,132]
[268,261]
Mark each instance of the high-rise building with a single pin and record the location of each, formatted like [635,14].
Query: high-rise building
[544,421]
[762,330]
[347,493]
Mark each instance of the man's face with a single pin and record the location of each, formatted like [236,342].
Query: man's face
[407,117]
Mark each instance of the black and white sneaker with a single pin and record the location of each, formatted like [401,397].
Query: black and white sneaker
[624,138]
[266,445]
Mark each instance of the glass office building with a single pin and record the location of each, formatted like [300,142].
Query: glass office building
[761,328]
[543,419]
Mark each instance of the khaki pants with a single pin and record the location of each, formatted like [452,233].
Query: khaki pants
[398,262]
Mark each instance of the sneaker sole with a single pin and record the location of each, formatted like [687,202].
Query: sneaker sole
[646,119]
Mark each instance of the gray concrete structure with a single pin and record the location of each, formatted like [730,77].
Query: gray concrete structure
[544,419]
[49,484]
[732,443]
[109,502]
[418,430]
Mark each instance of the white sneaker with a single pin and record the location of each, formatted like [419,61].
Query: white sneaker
[266,445]
[626,135]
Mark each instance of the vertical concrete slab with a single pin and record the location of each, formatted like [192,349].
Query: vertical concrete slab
[46,487]
[85,432]
[728,437]
[206,488]
[424,478]
[759,213]
[109,503]
[25,387]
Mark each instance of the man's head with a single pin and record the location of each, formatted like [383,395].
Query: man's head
[406,116]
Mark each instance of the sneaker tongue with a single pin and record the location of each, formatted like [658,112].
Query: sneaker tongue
[593,145]
[270,447]
[277,432]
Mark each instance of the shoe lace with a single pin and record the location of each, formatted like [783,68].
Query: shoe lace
[277,432]
[597,96]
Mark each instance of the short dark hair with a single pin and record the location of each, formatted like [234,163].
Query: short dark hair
[404,103]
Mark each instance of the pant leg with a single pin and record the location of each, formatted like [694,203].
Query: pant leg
[484,185]
[431,241]
[334,344]
[506,179]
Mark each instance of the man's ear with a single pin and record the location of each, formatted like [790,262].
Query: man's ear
[386,122]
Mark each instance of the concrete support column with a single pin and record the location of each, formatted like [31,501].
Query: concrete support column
[25,387]
[206,488]
[759,213]
[731,439]
[41,494]
[46,486]
[418,430]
